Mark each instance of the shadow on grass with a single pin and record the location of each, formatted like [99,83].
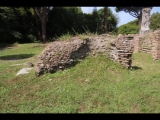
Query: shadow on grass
[136,68]
[9,46]
[15,57]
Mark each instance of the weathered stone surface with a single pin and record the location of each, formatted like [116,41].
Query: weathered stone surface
[145,20]
[149,42]
[99,44]
[28,64]
[24,71]
[60,55]
[156,45]
[121,51]
[137,44]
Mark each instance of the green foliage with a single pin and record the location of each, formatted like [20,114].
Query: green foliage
[155,21]
[66,36]
[112,20]
[62,20]
[22,25]
[134,11]
[74,20]
[129,28]
[16,24]
[132,27]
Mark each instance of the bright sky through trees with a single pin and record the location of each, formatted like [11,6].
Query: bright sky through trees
[124,17]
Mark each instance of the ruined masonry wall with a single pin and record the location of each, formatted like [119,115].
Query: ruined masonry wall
[156,45]
[137,40]
[121,51]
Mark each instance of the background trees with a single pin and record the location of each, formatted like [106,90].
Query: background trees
[105,19]
[18,24]
[133,28]
[155,21]
[42,13]
[112,21]
[28,24]
[129,28]
[134,11]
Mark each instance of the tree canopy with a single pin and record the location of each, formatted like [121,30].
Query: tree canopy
[132,27]
[24,24]
[112,20]
[129,28]
[155,21]
[134,11]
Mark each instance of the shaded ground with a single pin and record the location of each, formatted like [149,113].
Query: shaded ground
[9,46]
[16,57]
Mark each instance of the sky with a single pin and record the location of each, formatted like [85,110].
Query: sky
[124,17]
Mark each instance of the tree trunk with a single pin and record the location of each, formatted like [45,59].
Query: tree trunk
[140,22]
[105,19]
[43,17]
[43,24]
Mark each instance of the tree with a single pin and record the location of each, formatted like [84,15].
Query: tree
[18,24]
[129,28]
[155,21]
[134,11]
[42,13]
[27,23]
[71,17]
[105,19]
[95,20]
[112,20]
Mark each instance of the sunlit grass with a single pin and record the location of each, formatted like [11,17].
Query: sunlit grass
[95,85]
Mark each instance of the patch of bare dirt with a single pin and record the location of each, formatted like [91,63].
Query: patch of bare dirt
[135,109]
[111,70]
[81,108]
[12,81]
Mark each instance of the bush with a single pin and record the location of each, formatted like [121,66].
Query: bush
[129,28]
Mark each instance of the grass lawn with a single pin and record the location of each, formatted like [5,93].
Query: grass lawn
[95,85]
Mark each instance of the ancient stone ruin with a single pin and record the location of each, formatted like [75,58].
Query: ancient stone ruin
[149,43]
[156,45]
[63,54]
[99,44]
[60,55]
[145,20]
[137,44]
[121,51]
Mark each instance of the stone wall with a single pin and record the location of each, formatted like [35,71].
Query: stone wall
[63,54]
[137,44]
[147,46]
[141,43]
[99,44]
[149,42]
[156,45]
[121,51]
[60,55]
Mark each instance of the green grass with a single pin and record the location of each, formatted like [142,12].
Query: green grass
[95,85]
[83,36]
